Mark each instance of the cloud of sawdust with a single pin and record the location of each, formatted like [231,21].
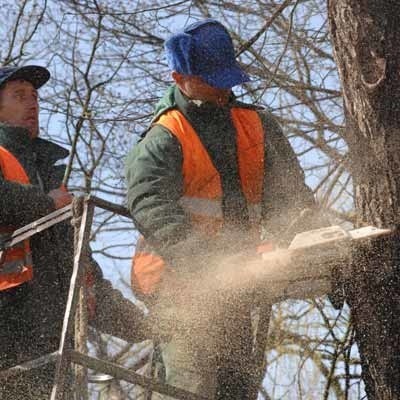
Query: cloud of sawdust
[219,285]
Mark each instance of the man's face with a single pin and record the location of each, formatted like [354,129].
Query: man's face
[19,106]
[196,89]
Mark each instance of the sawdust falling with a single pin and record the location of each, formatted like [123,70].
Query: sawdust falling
[198,308]
[200,293]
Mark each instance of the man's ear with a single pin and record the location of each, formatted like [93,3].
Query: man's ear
[177,77]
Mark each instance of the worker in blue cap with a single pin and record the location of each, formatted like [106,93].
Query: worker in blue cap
[212,176]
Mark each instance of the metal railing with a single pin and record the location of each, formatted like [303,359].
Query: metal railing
[81,211]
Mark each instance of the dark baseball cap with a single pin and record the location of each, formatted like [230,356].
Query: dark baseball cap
[34,74]
[205,49]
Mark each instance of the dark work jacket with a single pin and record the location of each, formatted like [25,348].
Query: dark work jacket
[155,180]
[32,315]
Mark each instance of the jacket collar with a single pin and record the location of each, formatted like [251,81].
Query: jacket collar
[14,139]
[173,98]
[18,141]
[47,151]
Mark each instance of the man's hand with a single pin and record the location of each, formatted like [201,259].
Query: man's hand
[61,197]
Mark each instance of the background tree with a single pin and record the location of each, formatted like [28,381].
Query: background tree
[366,38]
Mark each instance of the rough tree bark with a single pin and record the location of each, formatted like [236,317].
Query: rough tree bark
[366,40]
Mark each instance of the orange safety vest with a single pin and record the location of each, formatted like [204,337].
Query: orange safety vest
[202,190]
[16,262]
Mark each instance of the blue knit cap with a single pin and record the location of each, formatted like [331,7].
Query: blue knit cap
[205,49]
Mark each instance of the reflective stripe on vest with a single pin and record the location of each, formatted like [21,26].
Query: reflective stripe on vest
[202,190]
[16,262]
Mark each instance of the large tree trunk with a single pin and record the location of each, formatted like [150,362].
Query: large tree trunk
[366,40]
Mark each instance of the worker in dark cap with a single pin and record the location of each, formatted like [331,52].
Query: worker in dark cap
[211,176]
[35,274]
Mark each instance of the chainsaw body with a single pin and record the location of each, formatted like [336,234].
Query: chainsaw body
[313,254]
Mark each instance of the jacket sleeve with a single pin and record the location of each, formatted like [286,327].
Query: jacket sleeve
[115,315]
[286,195]
[22,204]
[155,185]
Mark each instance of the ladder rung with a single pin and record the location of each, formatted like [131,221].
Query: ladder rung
[39,225]
[27,366]
[125,374]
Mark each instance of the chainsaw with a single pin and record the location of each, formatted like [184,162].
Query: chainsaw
[313,254]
